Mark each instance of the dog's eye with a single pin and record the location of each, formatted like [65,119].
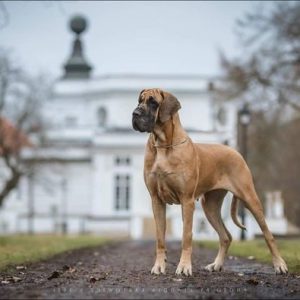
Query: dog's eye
[152,103]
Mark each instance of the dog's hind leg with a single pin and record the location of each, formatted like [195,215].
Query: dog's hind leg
[212,203]
[254,205]
[243,188]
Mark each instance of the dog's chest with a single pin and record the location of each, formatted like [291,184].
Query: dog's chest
[167,182]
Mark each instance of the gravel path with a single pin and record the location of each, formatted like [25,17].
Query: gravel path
[122,270]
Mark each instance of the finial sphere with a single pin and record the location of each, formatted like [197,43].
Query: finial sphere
[78,24]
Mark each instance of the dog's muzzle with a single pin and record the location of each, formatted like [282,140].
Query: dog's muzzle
[140,121]
[135,118]
[137,112]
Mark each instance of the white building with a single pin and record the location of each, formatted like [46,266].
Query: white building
[89,174]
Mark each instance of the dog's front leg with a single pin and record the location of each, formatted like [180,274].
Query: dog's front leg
[159,211]
[185,264]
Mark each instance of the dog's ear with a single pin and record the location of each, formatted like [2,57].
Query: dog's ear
[140,95]
[169,106]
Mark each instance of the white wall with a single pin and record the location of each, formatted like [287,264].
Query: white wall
[196,109]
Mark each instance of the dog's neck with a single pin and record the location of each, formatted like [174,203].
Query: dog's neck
[170,132]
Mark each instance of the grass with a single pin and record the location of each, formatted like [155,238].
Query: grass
[23,249]
[289,249]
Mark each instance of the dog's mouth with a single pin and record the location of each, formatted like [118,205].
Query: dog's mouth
[142,124]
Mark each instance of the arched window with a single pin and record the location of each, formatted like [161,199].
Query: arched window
[101,117]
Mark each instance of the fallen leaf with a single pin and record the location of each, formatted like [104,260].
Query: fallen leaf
[253,281]
[72,270]
[66,268]
[55,274]
[11,279]
[177,279]
[16,279]
[232,257]
[93,279]
[101,277]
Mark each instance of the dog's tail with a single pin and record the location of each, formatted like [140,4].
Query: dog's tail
[234,208]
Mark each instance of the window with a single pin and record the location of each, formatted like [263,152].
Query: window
[122,161]
[122,192]
[101,117]
[71,121]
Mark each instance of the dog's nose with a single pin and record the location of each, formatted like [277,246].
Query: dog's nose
[137,112]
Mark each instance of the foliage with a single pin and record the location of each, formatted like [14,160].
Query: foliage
[267,75]
[21,97]
[268,68]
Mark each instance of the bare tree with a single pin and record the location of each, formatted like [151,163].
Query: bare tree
[288,162]
[269,67]
[20,117]
[274,158]
[267,75]
[263,155]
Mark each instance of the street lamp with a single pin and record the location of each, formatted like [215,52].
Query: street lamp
[64,208]
[31,203]
[211,92]
[244,118]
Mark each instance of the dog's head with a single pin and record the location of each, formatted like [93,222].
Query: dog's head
[154,106]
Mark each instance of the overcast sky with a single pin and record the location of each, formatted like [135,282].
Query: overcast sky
[124,37]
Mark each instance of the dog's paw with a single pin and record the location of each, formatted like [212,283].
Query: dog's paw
[280,266]
[159,267]
[184,268]
[214,267]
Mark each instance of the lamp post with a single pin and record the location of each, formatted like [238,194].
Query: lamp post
[211,90]
[31,204]
[244,118]
[64,208]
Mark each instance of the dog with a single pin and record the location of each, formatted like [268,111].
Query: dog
[178,171]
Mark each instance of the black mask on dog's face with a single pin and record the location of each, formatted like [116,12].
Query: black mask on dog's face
[154,106]
[144,116]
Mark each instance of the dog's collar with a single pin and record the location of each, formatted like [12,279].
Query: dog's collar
[169,146]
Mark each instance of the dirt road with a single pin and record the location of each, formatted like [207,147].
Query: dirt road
[122,270]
